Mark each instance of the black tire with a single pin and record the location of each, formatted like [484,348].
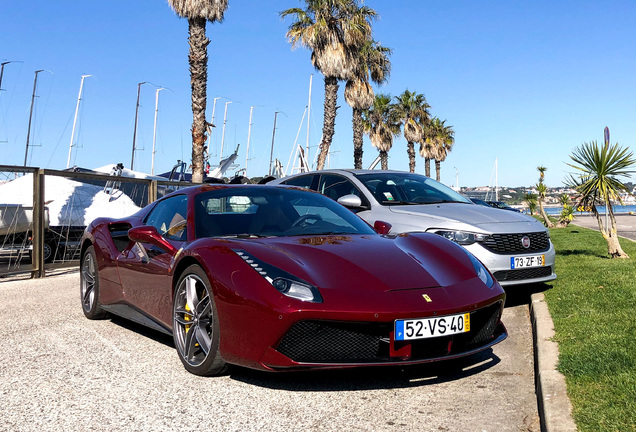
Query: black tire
[89,286]
[195,324]
[50,249]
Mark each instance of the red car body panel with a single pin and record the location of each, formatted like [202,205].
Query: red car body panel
[362,279]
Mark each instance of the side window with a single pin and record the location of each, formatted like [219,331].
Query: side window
[302,181]
[170,217]
[335,187]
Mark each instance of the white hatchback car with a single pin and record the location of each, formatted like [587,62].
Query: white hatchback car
[515,247]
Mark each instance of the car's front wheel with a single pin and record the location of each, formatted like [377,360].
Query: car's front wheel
[89,286]
[196,324]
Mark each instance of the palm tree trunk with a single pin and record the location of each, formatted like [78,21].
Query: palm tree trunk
[610,234]
[358,131]
[410,150]
[546,219]
[427,167]
[384,158]
[198,80]
[438,168]
[329,123]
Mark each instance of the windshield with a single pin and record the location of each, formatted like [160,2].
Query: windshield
[259,211]
[407,188]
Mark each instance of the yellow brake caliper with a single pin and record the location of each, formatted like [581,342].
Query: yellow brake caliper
[187,318]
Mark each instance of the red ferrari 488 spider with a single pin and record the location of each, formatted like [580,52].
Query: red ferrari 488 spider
[278,278]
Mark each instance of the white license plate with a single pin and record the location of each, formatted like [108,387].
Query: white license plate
[424,328]
[527,261]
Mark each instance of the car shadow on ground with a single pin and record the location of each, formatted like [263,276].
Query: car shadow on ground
[363,378]
[155,335]
[369,378]
[518,295]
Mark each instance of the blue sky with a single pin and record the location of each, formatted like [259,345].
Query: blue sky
[522,82]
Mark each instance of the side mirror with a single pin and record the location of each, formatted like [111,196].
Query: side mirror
[382,227]
[350,201]
[149,234]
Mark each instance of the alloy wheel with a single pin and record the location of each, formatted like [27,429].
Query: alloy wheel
[193,318]
[88,282]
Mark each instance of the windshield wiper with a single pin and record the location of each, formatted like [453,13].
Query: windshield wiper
[395,202]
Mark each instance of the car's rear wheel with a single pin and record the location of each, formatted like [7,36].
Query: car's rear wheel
[196,324]
[89,286]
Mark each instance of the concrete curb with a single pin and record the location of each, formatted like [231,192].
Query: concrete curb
[555,409]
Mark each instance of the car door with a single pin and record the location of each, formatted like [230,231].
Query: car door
[144,268]
[336,186]
[304,181]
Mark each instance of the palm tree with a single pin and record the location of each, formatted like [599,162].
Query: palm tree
[542,171]
[432,136]
[567,212]
[600,167]
[334,30]
[541,192]
[198,12]
[445,143]
[381,124]
[531,200]
[412,109]
[372,62]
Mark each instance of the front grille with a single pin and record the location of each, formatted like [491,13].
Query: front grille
[333,342]
[511,243]
[522,274]
[343,342]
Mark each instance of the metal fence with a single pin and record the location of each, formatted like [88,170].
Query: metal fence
[43,213]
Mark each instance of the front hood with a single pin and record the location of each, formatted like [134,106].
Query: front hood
[369,263]
[484,219]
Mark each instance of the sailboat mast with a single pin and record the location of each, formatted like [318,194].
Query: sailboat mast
[132,160]
[496,182]
[2,71]
[35,83]
[154,131]
[79,98]
[271,154]
[223,133]
[249,134]
[311,77]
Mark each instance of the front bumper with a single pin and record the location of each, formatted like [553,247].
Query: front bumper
[499,266]
[314,344]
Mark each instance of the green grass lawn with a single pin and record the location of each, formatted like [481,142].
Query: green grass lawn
[593,304]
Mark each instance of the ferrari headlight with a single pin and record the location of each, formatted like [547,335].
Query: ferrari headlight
[462,237]
[481,271]
[284,282]
[294,289]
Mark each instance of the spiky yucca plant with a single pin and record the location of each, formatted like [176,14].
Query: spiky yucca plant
[600,168]
[531,200]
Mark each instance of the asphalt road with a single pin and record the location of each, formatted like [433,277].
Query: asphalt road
[62,372]
[625,224]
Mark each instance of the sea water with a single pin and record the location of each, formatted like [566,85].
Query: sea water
[618,209]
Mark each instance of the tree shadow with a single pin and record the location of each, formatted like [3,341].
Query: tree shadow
[578,252]
[369,378]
